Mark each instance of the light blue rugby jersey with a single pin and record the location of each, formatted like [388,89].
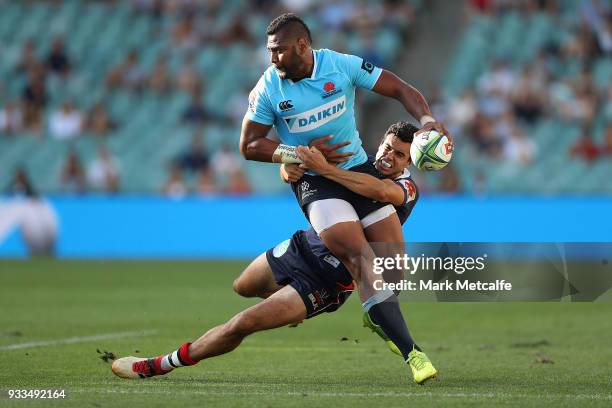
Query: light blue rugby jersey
[317,106]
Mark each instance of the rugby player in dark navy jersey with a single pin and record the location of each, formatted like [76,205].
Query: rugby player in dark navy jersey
[300,278]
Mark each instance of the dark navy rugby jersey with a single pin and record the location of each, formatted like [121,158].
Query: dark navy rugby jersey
[411,196]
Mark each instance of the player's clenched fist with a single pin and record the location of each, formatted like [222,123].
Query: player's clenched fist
[437,126]
[312,159]
[291,173]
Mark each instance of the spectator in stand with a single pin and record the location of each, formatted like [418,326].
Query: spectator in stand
[66,123]
[127,74]
[238,104]
[10,119]
[175,186]
[72,177]
[225,161]
[196,158]
[518,148]
[27,58]
[335,14]
[184,34]
[188,77]
[103,172]
[449,182]
[604,36]
[21,185]
[398,14]
[236,32]
[463,110]
[606,109]
[57,61]
[483,135]
[99,121]
[366,16]
[206,183]
[34,99]
[159,79]
[585,148]
[155,8]
[499,80]
[528,96]
[481,6]
[369,50]
[606,148]
[237,183]
[195,113]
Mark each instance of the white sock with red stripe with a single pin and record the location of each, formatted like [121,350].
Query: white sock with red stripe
[176,359]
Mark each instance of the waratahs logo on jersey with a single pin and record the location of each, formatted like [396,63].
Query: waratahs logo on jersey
[314,118]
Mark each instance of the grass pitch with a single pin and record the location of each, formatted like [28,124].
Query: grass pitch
[54,315]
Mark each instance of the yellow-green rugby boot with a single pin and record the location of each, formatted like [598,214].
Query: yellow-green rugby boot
[367,322]
[422,369]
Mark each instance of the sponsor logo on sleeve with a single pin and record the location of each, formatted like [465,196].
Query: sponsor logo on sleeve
[367,66]
[252,101]
[410,188]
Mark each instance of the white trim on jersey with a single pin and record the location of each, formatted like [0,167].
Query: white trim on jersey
[404,175]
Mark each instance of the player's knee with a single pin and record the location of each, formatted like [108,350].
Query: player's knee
[349,250]
[342,248]
[241,288]
[242,325]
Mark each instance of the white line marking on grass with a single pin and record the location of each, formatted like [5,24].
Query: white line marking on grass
[74,340]
[313,393]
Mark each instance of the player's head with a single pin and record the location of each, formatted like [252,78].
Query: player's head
[289,44]
[393,154]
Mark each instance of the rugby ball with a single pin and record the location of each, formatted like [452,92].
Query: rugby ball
[430,150]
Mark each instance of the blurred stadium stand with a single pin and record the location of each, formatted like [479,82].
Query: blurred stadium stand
[528,97]
[527,93]
[141,108]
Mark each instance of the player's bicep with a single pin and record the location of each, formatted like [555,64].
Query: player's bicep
[250,132]
[408,191]
[394,193]
[388,84]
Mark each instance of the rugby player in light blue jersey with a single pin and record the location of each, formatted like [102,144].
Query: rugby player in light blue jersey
[308,95]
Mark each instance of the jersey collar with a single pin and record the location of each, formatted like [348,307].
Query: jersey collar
[405,174]
[314,68]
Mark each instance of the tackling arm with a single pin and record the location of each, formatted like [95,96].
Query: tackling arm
[384,191]
[254,145]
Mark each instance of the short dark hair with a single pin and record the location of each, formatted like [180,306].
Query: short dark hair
[289,21]
[403,130]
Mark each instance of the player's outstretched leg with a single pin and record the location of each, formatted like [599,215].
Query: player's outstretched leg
[282,308]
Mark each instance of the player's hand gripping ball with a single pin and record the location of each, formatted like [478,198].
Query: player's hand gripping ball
[430,150]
